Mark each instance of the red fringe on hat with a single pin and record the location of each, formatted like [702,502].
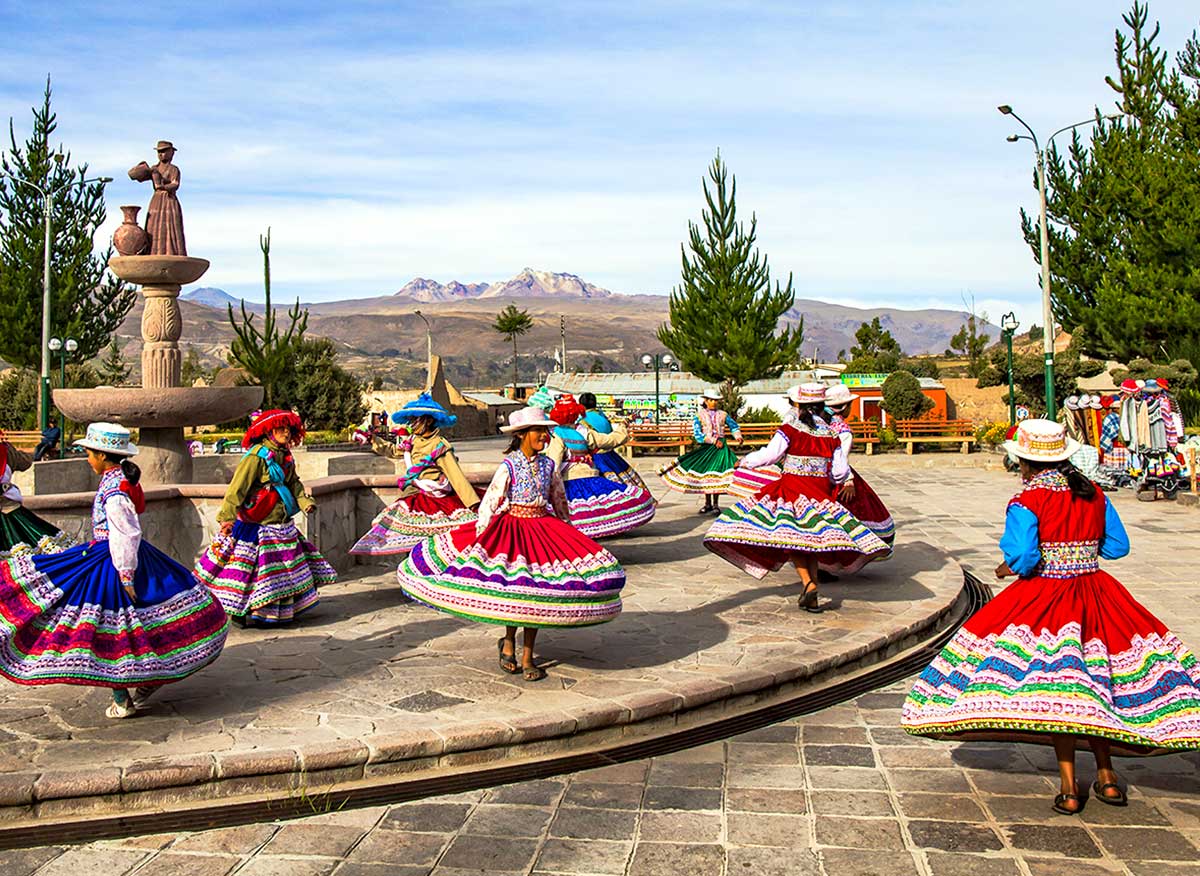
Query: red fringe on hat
[262,425]
[566,410]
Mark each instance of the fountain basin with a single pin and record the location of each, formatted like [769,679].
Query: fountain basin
[135,406]
[158,270]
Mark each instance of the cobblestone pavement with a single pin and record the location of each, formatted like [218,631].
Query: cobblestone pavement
[843,791]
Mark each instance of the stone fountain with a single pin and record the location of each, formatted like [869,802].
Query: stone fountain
[156,259]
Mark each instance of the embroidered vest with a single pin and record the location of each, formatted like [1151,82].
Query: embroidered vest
[528,480]
[110,485]
[576,444]
[1069,528]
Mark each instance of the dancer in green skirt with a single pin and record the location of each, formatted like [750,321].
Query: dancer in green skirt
[709,468]
[22,531]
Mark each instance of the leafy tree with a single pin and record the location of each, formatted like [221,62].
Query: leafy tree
[724,317]
[18,399]
[1124,210]
[324,393]
[87,302]
[876,352]
[191,369]
[902,396]
[921,366]
[114,370]
[970,342]
[1180,373]
[512,323]
[266,354]
[1036,332]
[1029,372]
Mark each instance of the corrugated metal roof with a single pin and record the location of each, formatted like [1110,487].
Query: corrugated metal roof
[492,398]
[638,383]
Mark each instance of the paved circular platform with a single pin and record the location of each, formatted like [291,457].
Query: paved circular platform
[369,685]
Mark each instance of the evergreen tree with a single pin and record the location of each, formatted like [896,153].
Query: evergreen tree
[1124,211]
[724,317]
[113,369]
[902,396]
[971,343]
[325,394]
[877,351]
[512,323]
[266,354]
[87,302]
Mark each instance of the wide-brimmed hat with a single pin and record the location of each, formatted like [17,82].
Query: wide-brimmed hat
[1041,441]
[262,423]
[1162,384]
[1096,404]
[1129,386]
[424,406]
[1071,403]
[1084,401]
[108,438]
[527,418]
[1106,401]
[711,394]
[807,393]
[837,395]
[566,410]
[164,144]
[1152,386]
[542,398]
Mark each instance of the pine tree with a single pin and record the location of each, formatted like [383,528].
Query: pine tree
[266,354]
[1124,211]
[87,302]
[877,351]
[512,323]
[113,368]
[724,317]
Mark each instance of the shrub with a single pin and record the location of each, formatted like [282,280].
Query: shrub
[902,396]
[758,415]
[991,433]
[887,437]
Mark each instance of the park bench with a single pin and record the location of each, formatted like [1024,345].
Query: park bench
[663,436]
[935,431]
[23,440]
[865,433]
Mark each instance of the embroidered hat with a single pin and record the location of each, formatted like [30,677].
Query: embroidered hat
[262,424]
[424,406]
[1152,386]
[1129,387]
[527,418]
[838,395]
[1096,404]
[806,393]
[566,410]
[1162,384]
[1085,400]
[1106,401]
[543,398]
[711,394]
[108,438]
[1072,403]
[1041,441]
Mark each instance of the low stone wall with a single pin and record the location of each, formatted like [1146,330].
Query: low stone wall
[181,520]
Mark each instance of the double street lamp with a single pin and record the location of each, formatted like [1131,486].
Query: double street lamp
[1008,326]
[48,203]
[1047,313]
[64,349]
[659,361]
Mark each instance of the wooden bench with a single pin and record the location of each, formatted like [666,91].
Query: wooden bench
[663,436]
[912,432]
[23,440]
[865,433]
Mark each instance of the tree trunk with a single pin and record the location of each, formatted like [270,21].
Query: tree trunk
[514,340]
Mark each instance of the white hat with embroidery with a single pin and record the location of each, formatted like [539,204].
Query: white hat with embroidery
[108,438]
[837,395]
[807,394]
[712,395]
[1041,441]
[527,418]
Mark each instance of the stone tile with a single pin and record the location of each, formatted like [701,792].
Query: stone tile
[775,733]
[1127,843]
[1021,810]
[913,756]
[1139,813]
[502,820]
[846,779]
[759,800]
[821,734]
[856,862]
[936,781]
[944,807]
[839,755]
[859,833]
[603,795]
[1069,866]
[633,772]
[681,827]
[759,829]
[426,817]
[950,836]
[689,799]
[326,840]
[1071,842]
[674,859]
[584,856]
[1157,868]
[607,824]
[93,860]
[766,861]
[267,865]
[399,847]
[712,752]
[23,862]
[535,793]
[241,840]
[489,853]
[687,775]
[944,864]
[351,868]
[764,753]
[178,864]
[858,803]
[763,776]
[1019,784]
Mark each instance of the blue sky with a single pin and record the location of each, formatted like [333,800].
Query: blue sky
[467,140]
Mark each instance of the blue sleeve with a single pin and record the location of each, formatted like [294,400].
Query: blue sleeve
[1019,544]
[697,430]
[1115,543]
[731,424]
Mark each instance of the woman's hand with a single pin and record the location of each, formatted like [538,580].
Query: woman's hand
[227,528]
[130,592]
[846,492]
[1003,571]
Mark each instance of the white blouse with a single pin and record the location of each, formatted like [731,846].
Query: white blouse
[124,534]
[495,500]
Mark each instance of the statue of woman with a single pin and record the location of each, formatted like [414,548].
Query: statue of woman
[164,219]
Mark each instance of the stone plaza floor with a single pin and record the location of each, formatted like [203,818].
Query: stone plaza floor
[841,791]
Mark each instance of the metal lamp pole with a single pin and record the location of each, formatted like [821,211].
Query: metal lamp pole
[63,349]
[1047,312]
[47,201]
[658,361]
[1008,324]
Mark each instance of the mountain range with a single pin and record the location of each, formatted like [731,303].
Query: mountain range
[527,284]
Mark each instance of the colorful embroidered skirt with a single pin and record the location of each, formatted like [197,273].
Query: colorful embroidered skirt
[869,508]
[1062,655]
[22,531]
[613,466]
[525,572]
[65,618]
[266,573]
[760,535]
[707,469]
[411,519]
[600,507]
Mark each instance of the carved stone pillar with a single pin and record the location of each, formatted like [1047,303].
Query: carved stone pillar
[162,325]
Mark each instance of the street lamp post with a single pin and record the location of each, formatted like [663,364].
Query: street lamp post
[64,349]
[47,202]
[1047,312]
[1008,325]
[429,347]
[658,360]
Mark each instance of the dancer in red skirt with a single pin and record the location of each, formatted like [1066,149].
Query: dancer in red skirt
[864,503]
[1064,655]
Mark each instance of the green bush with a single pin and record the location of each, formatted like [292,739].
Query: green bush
[887,438]
[902,396]
[758,415]
[19,400]
[991,433]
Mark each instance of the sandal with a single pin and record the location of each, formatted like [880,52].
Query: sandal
[139,695]
[508,662]
[809,600]
[534,673]
[1119,800]
[120,710]
[1078,799]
